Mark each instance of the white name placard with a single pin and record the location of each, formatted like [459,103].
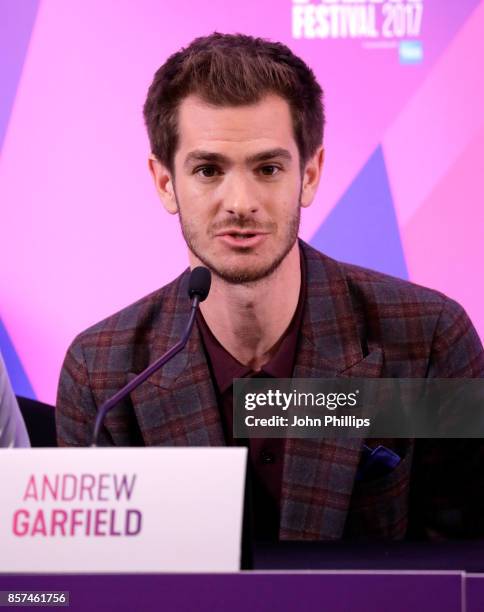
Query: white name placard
[121,509]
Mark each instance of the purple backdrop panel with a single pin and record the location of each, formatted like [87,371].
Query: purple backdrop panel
[257,592]
[474,593]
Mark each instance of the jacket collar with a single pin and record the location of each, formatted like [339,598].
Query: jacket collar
[178,406]
[330,339]
[330,343]
[319,474]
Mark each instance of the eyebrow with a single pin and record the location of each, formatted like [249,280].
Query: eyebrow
[210,156]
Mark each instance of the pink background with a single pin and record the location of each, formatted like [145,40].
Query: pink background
[83,233]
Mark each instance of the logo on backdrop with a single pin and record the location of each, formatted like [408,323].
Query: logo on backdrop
[379,24]
[74,505]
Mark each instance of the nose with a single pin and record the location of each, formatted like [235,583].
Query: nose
[239,197]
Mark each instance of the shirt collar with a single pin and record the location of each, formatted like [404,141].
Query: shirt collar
[225,367]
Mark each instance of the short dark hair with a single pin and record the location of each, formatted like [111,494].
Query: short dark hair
[233,70]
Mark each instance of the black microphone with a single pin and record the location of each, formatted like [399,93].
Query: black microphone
[199,283]
[198,288]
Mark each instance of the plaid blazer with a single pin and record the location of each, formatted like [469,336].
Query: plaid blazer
[356,322]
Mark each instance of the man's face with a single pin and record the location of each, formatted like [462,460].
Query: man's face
[237,186]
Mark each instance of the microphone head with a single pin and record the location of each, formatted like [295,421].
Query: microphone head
[199,283]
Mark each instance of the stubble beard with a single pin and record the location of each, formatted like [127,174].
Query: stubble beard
[243,275]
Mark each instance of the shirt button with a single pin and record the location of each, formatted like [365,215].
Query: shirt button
[267,457]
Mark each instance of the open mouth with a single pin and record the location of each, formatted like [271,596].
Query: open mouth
[242,236]
[242,239]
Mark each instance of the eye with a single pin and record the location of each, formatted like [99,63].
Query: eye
[269,170]
[206,171]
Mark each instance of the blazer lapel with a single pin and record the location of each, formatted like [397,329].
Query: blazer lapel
[177,406]
[319,474]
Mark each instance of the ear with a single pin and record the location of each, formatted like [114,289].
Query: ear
[163,183]
[311,175]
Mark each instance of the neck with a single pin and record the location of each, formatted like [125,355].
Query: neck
[249,320]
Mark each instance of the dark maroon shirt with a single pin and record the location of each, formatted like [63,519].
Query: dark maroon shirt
[266,456]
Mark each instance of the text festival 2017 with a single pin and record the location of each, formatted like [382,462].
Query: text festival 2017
[77,521]
[364,20]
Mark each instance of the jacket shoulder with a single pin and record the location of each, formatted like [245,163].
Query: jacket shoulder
[378,288]
[130,332]
[416,321]
[381,288]
[421,330]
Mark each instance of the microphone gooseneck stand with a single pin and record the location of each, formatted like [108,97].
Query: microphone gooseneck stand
[199,286]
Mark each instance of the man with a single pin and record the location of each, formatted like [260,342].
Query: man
[236,127]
